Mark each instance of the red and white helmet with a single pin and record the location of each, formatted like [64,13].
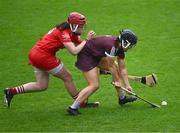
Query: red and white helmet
[76,20]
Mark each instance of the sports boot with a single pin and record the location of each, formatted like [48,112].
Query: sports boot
[86,104]
[127,99]
[89,105]
[72,111]
[8,97]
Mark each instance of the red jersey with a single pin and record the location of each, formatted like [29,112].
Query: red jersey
[54,39]
[42,55]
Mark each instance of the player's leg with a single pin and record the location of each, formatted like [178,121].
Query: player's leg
[123,98]
[65,75]
[93,84]
[41,84]
[110,64]
[103,67]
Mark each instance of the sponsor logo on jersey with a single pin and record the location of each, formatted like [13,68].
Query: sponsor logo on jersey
[66,36]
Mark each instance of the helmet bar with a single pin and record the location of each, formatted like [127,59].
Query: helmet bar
[73,27]
[125,44]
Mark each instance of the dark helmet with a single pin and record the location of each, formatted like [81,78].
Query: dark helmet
[127,36]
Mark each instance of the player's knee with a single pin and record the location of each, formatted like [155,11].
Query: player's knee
[68,77]
[95,86]
[42,86]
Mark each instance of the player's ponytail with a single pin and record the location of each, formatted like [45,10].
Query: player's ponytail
[63,25]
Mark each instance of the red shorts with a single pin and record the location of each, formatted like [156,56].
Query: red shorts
[43,60]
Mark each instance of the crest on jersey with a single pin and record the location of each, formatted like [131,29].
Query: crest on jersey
[66,36]
[112,52]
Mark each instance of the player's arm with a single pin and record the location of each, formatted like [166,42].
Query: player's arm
[74,49]
[113,69]
[123,72]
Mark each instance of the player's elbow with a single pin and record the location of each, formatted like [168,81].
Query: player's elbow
[112,68]
[124,72]
[122,67]
[74,51]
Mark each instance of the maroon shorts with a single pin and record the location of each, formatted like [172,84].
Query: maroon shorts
[86,61]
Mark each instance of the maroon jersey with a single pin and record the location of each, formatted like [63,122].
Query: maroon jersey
[95,49]
[104,46]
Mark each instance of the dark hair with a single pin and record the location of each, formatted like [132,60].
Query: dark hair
[117,39]
[63,25]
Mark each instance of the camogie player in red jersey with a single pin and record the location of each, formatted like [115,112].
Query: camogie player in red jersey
[44,61]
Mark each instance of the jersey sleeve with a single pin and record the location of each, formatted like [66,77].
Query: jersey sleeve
[120,53]
[65,36]
[76,39]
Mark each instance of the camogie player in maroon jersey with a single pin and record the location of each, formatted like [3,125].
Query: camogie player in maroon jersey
[44,61]
[100,51]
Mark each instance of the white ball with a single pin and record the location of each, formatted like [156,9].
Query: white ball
[163,103]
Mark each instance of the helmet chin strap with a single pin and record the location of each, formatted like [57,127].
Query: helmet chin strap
[123,44]
[77,34]
[73,27]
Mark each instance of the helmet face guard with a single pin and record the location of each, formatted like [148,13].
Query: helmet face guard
[73,27]
[127,38]
[125,44]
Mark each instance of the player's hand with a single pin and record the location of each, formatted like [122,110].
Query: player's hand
[90,35]
[129,88]
[116,84]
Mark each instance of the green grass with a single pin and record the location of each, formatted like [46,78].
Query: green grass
[157,24]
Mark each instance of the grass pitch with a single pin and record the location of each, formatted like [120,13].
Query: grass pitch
[157,24]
